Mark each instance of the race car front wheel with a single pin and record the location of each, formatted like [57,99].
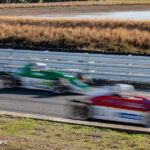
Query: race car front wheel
[79,111]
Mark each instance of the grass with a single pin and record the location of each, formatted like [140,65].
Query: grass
[76,3]
[25,134]
[90,34]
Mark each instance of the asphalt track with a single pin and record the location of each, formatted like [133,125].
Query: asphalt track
[35,102]
[39,102]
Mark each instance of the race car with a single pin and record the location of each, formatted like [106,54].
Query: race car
[38,76]
[113,103]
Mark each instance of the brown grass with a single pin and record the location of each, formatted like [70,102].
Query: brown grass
[101,35]
[78,3]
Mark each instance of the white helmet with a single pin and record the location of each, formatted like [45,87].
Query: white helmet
[40,66]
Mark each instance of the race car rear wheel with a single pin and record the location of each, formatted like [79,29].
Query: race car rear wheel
[8,82]
[58,90]
[79,111]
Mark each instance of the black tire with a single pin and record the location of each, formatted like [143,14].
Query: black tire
[79,111]
[58,90]
[8,82]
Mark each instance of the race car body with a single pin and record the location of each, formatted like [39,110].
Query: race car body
[37,76]
[112,106]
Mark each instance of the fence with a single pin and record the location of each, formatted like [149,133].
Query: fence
[114,67]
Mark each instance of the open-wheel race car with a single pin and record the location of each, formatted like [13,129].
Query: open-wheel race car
[38,76]
[112,103]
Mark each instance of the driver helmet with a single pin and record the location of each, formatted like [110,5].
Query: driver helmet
[41,66]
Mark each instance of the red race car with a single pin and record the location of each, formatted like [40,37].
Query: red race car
[113,103]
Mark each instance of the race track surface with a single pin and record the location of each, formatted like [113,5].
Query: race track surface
[35,102]
[39,102]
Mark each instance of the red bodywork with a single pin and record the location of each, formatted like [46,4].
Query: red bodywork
[134,103]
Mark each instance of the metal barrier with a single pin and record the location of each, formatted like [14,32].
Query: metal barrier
[101,66]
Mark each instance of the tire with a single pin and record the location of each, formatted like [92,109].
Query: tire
[58,90]
[79,111]
[8,82]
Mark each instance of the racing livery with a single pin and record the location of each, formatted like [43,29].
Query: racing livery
[37,76]
[113,105]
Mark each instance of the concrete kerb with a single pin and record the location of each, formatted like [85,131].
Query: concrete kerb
[124,128]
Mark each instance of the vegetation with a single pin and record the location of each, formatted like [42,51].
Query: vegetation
[100,35]
[66,3]
[25,134]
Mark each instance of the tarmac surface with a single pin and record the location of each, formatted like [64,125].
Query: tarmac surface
[37,102]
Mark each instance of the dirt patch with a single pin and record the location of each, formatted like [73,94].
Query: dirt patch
[72,10]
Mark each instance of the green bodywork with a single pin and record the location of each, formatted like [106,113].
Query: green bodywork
[26,71]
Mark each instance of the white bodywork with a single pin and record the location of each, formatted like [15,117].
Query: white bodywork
[33,83]
[119,115]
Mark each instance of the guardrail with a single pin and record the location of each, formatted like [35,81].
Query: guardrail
[100,66]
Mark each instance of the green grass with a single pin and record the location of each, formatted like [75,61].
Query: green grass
[25,134]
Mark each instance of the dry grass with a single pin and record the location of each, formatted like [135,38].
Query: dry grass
[77,3]
[106,35]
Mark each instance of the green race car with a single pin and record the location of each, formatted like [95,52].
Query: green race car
[37,76]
